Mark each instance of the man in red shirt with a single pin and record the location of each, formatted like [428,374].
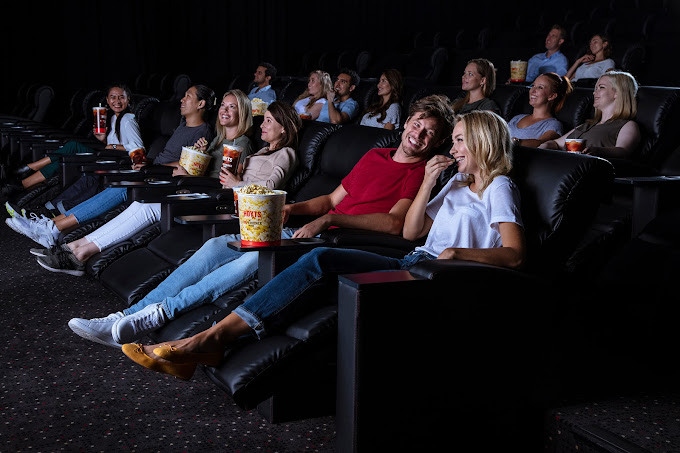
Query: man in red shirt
[375,196]
[380,188]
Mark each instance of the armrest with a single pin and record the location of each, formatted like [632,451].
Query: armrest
[398,330]
[199,181]
[646,196]
[172,207]
[352,237]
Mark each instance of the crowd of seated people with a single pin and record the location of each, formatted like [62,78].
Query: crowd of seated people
[395,199]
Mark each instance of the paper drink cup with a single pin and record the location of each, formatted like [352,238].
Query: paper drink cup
[194,162]
[99,114]
[518,70]
[261,218]
[575,145]
[231,154]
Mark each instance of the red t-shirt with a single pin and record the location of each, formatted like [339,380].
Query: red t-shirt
[377,183]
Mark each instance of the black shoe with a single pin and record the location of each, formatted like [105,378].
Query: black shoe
[12,188]
[23,172]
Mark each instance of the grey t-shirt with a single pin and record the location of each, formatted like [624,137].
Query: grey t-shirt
[183,136]
[482,104]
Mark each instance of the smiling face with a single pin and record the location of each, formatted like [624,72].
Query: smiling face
[384,87]
[604,94]
[272,131]
[541,92]
[419,136]
[460,152]
[343,85]
[228,112]
[472,79]
[190,102]
[117,100]
[597,45]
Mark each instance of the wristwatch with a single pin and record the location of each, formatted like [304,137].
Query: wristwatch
[114,146]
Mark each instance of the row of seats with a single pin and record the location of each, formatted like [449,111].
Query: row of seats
[640,38]
[293,374]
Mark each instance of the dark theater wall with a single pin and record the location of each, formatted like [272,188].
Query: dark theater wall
[75,44]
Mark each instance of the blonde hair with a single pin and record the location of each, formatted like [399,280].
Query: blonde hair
[487,138]
[486,69]
[326,85]
[625,104]
[245,116]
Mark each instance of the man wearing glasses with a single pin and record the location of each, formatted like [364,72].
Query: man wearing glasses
[341,108]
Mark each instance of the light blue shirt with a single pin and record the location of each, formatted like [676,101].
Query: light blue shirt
[540,63]
[267,94]
[350,107]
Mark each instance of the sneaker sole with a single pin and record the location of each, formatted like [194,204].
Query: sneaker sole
[38,252]
[63,271]
[10,211]
[88,336]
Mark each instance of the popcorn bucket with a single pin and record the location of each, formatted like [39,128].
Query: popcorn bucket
[261,218]
[194,162]
[518,70]
[259,107]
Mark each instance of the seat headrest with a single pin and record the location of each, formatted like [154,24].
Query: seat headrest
[560,195]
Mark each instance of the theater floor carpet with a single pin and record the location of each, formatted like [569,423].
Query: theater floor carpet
[59,392]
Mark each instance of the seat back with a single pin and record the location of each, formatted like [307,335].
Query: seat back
[91,99]
[341,152]
[511,99]
[658,118]
[578,107]
[560,195]
[158,127]
[313,137]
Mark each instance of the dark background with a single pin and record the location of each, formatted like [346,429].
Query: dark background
[70,45]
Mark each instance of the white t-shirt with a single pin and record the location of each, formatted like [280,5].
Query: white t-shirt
[302,103]
[593,70]
[129,133]
[462,219]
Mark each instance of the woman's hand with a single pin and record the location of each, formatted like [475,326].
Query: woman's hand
[100,137]
[138,166]
[435,167]
[201,144]
[179,171]
[586,59]
[228,179]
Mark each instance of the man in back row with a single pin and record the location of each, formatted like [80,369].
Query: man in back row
[552,60]
[341,108]
[263,77]
[375,196]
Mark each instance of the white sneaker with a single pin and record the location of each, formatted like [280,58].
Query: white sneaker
[20,225]
[11,211]
[44,232]
[97,329]
[136,325]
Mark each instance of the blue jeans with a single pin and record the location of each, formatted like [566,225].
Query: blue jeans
[99,204]
[280,301]
[212,271]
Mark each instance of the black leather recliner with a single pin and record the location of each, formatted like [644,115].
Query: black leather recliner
[466,339]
